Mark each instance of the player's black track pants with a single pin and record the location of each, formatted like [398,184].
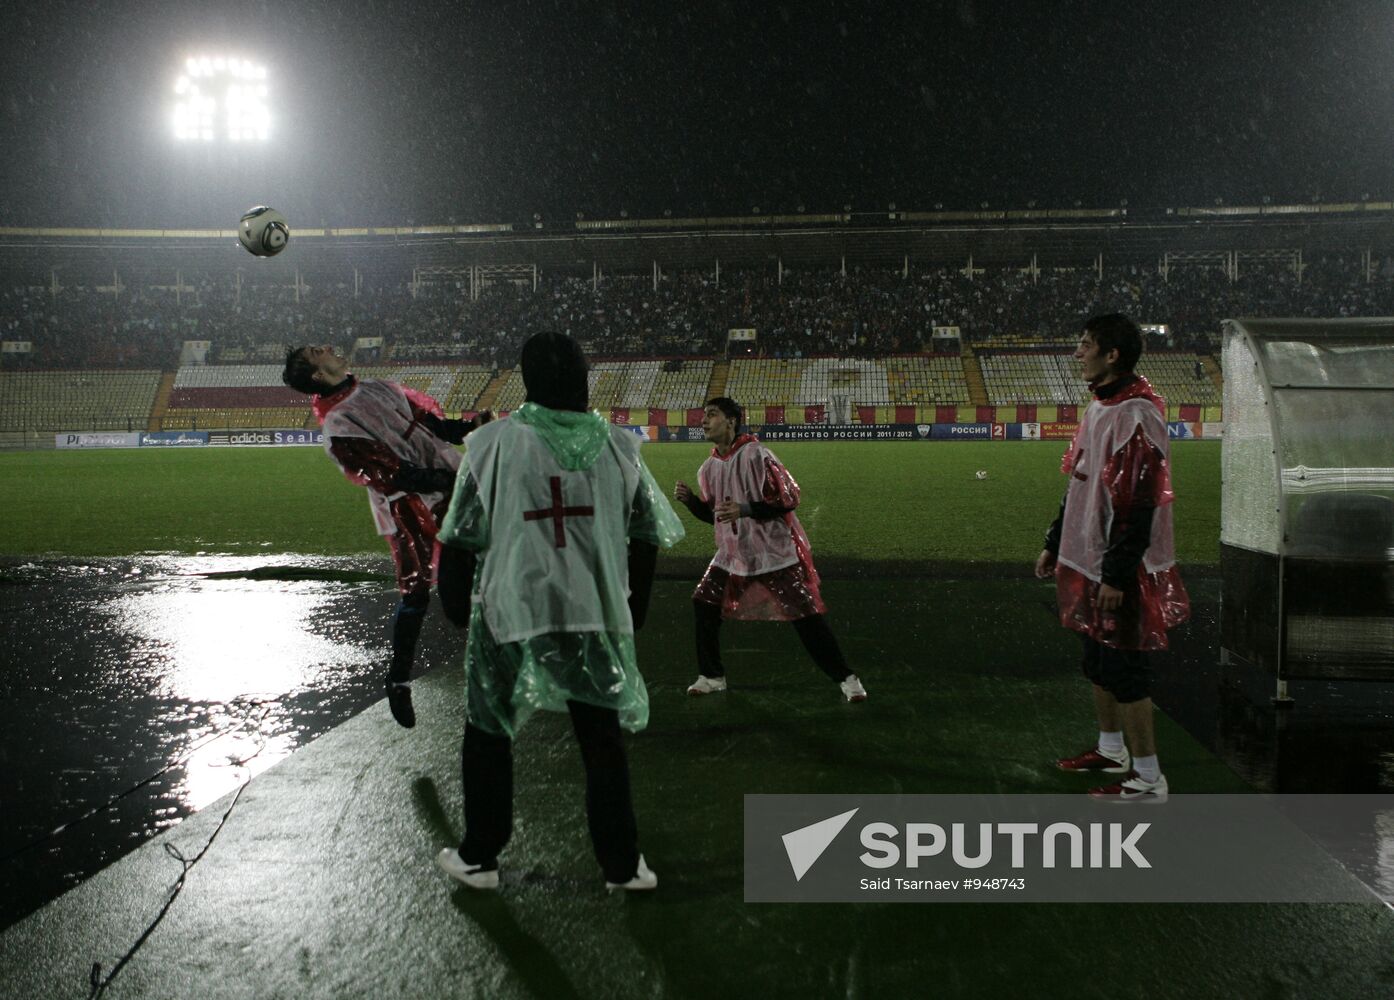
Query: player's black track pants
[486,762]
[813,631]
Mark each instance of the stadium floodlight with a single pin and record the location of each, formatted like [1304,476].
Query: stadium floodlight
[221,97]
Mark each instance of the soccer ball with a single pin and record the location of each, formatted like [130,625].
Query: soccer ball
[981,473]
[263,231]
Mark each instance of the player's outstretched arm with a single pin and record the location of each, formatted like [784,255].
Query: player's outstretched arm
[453,431]
[414,479]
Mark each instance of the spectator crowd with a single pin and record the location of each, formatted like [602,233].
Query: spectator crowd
[801,313]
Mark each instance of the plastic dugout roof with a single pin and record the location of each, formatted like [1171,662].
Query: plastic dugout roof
[1309,413]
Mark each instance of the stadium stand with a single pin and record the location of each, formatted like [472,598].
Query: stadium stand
[638,385]
[220,396]
[869,313]
[435,381]
[470,384]
[235,418]
[770,382]
[255,354]
[605,383]
[860,379]
[909,380]
[681,385]
[622,384]
[1041,377]
[824,338]
[1022,386]
[1052,376]
[512,393]
[215,397]
[425,352]
[257,384]
[923,380]
[77,401]
[1180,377]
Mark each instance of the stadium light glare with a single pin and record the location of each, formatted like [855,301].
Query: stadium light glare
[221,97]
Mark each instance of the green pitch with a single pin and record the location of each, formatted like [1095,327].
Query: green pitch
[973,686]
[333,845]
[893,502]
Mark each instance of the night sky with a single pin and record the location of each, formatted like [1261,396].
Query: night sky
[427,112]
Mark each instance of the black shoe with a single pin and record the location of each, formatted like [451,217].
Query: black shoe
[399,700]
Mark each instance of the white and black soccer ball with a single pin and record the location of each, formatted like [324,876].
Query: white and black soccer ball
[263,231]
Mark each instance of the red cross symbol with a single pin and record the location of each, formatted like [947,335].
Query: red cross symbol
[557,512]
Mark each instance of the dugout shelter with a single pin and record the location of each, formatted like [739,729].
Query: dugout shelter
[1307,498]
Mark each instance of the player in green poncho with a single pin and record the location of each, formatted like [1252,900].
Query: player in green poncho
[548,553]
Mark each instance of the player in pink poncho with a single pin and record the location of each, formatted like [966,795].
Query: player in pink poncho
[763,568]
[396,442]
[1111,553]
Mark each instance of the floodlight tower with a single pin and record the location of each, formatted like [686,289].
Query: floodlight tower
[221,99]
[219,118]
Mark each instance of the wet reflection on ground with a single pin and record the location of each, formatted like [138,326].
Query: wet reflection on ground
[136,691]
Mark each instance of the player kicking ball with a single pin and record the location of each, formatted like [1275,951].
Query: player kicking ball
[397,443]
[763,567]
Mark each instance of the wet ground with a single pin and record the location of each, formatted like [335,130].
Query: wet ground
[137,691]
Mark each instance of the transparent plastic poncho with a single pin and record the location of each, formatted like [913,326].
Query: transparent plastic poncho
[763,569]
[1116,463]
[550,501]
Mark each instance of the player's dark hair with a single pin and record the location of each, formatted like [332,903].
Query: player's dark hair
[1114,331]
[554,372]
[299,373]
[728,406]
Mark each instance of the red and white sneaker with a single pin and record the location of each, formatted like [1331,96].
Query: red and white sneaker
[1133,789]
[1097,761]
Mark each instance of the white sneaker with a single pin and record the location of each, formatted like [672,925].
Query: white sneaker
[852,689]
[450,862]
[1133,788]
[643,879]
[707,685]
